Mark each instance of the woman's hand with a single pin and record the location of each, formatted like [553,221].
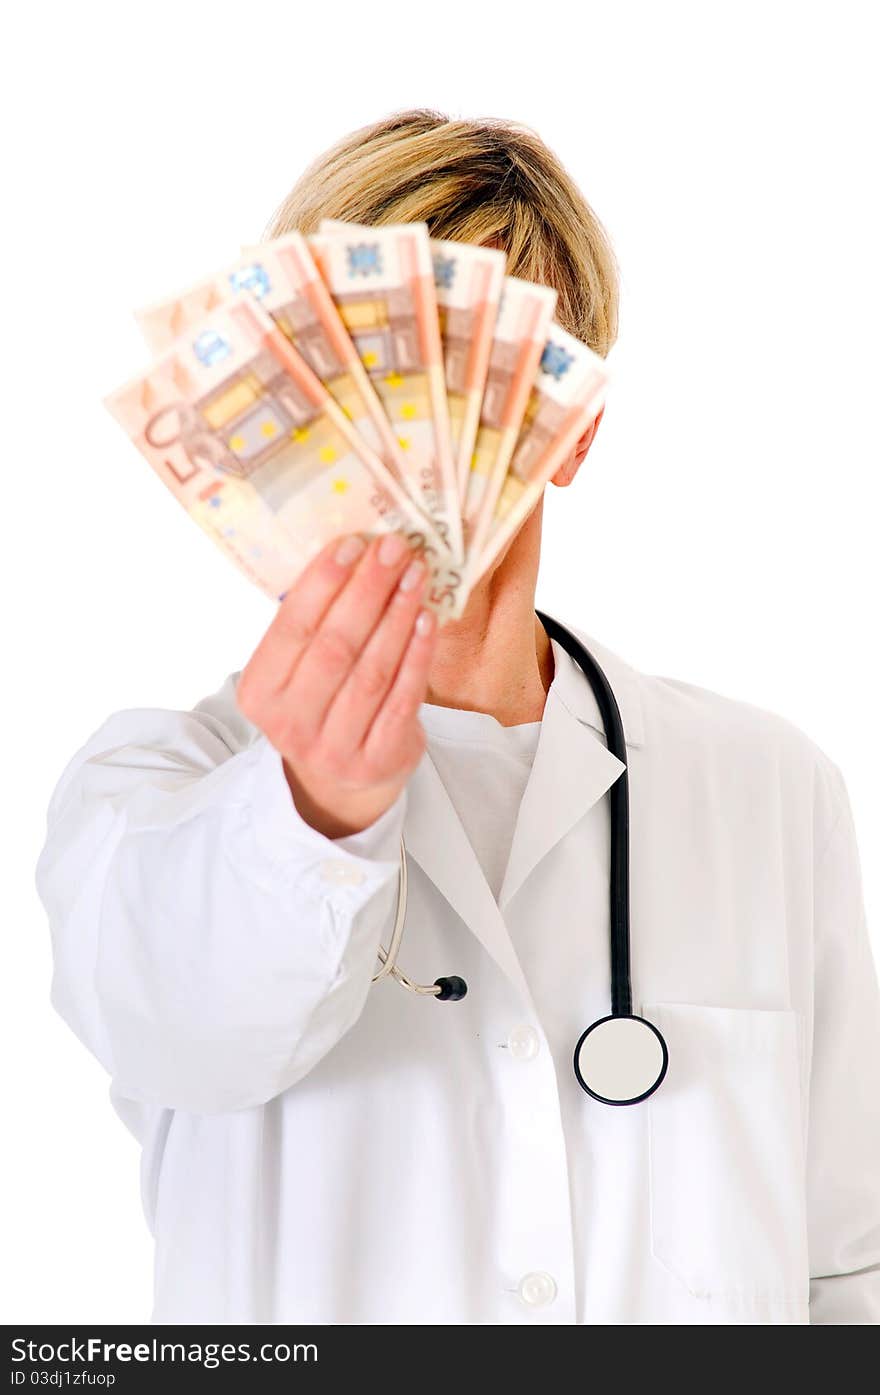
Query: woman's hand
[336,681]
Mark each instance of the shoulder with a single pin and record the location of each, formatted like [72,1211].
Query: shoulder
[676,706]
[708,735]
[220,712]
[157,746]
[202,736]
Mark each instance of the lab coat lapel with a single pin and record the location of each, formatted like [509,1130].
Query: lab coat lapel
[573,767]
[434,836]
[572,771]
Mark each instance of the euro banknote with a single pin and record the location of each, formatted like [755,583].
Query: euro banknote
[566,397]
[382,282]
[249,440]
[518,339]
[467,282]
[282,275]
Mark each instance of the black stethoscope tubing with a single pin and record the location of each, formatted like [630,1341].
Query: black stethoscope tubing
[620,1059]
[618,796]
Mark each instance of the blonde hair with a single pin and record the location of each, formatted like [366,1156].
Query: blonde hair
[487,181]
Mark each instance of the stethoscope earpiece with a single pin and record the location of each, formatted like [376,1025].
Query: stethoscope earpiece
[622,1058]
[452,989]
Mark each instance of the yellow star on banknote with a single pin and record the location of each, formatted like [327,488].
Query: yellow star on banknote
[370,358]
[268,429]
[300,433]
[327,455]
[236,443]
[408,410]
[339,486]
[404,442]
[393,380]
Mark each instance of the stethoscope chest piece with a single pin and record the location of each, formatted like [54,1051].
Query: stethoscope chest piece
[620,1060]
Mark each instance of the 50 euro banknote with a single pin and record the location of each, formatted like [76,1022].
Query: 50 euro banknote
[282,275]
[382,283]
[518,339]
[248,439]
[467,282]
[567,395]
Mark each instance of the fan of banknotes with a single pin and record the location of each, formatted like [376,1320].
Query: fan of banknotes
[363,379]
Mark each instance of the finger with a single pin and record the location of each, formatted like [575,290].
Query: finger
[298,617]
[393,722]
[354,707]
[344,630]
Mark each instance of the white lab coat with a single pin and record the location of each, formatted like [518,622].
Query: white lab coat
[317,1152]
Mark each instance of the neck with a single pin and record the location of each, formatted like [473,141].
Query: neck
[497,657]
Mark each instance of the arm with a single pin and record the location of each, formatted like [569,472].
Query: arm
[216,901]
[209,945]
[843,1162]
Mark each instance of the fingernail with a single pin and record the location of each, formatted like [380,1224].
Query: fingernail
[424,623]
[349,550]
[414,574]
[392,548]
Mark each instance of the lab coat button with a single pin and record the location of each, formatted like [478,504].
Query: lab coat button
[537,1290]
[524,1043]
[341,873]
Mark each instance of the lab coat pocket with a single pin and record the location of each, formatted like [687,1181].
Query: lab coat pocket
[728,1210]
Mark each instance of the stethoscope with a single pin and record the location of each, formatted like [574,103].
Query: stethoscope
[621,1058]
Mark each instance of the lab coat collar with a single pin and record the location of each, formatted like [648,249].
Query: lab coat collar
[572,770]
[573,689]
[573,767]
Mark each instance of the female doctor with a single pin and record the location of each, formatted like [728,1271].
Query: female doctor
[219,883]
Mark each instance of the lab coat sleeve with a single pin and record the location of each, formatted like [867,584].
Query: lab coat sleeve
[843,1160]
[209,946]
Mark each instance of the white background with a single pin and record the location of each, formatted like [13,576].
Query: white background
[723,531]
